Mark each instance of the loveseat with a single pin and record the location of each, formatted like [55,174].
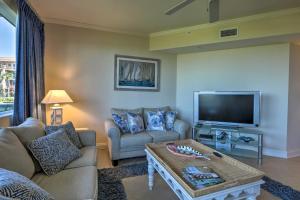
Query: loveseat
[122,145]
[77,181]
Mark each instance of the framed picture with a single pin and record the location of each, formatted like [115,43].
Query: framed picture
[136,73]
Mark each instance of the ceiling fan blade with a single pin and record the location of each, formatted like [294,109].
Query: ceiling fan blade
[213,10]
[178,6]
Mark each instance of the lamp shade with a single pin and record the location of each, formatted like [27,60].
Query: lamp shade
[56,97]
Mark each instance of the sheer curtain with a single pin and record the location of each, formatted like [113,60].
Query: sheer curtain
[29,87]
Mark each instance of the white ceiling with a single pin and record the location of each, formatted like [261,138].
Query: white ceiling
[145,16]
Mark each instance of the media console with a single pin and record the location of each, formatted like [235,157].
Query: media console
[232,141]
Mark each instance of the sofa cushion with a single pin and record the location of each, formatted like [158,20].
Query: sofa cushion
[121,121]
[120,110]
[88,158]
[13,155]
[54,151]
[156,121]
[146,110]
[139,139]
[16,186]
[70,131]
[31,121]
[170,120]
[135,123]
[87,137]
[120,117]
[28,131]
[70,184]
[132,149]
[163,136]
[4,198]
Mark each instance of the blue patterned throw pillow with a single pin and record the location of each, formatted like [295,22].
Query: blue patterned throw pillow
[54,151]
[121,121]
[170,120]
[135,123]
[70,131]
[156,121]
[16,186]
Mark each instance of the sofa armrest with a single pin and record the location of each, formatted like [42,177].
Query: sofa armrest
[111,129]
[114,134]
[87,137]
[181,127]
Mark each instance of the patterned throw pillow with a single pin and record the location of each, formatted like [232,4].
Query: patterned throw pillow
[120,117]
[156,121]
[146,110]
[135,123]
[121,121]
[70,131]
[16,186]
[170,120]
[54,151]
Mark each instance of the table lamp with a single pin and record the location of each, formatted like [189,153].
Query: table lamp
[56,97]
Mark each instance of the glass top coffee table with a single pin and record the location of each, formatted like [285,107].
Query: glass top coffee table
[238,180]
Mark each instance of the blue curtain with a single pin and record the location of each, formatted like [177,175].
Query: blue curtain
[29,87]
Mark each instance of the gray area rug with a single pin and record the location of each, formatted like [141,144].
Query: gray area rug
[110,185]
[111,188]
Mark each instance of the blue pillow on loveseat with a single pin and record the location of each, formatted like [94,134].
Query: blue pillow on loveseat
[170,118]
[156,121]
[135,123]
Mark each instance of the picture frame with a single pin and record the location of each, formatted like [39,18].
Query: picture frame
[133,73]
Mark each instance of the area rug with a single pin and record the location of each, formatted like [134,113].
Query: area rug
[111,188]
[110,185]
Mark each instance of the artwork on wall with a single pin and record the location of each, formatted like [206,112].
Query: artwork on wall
[136,73]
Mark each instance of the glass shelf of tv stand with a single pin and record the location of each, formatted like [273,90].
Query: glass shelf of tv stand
[233,145]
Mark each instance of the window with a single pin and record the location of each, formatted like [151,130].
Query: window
[7,65]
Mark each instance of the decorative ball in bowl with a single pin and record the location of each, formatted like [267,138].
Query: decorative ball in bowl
[185,151]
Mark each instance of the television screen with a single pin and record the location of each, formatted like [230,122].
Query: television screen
[227,108]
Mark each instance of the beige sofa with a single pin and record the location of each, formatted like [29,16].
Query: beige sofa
[77,181]
[122,146]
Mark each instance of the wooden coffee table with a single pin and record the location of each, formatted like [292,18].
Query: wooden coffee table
[242,182]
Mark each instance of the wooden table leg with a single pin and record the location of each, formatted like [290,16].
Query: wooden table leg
[150,174]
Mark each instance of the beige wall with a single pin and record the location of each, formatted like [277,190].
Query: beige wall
[262,68]
[294,102]
[81,61]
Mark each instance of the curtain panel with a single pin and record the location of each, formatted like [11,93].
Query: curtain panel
[29,86]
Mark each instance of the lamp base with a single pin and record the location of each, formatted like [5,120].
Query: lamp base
[57,115]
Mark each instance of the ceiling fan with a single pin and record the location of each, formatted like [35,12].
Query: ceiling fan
[213,9]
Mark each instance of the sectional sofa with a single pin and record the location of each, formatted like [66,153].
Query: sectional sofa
[77,181]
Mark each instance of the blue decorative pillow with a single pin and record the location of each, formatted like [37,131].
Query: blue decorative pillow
[54,151]
[170,120]
[135,123]
[16,186]
[121,121]
[70,131]
[156,121]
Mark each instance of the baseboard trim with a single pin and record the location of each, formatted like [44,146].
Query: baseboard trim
[101,145]
[266,151]
[281,154]
[293,153]
[275,153]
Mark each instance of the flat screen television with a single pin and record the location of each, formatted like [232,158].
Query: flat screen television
[238,109]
